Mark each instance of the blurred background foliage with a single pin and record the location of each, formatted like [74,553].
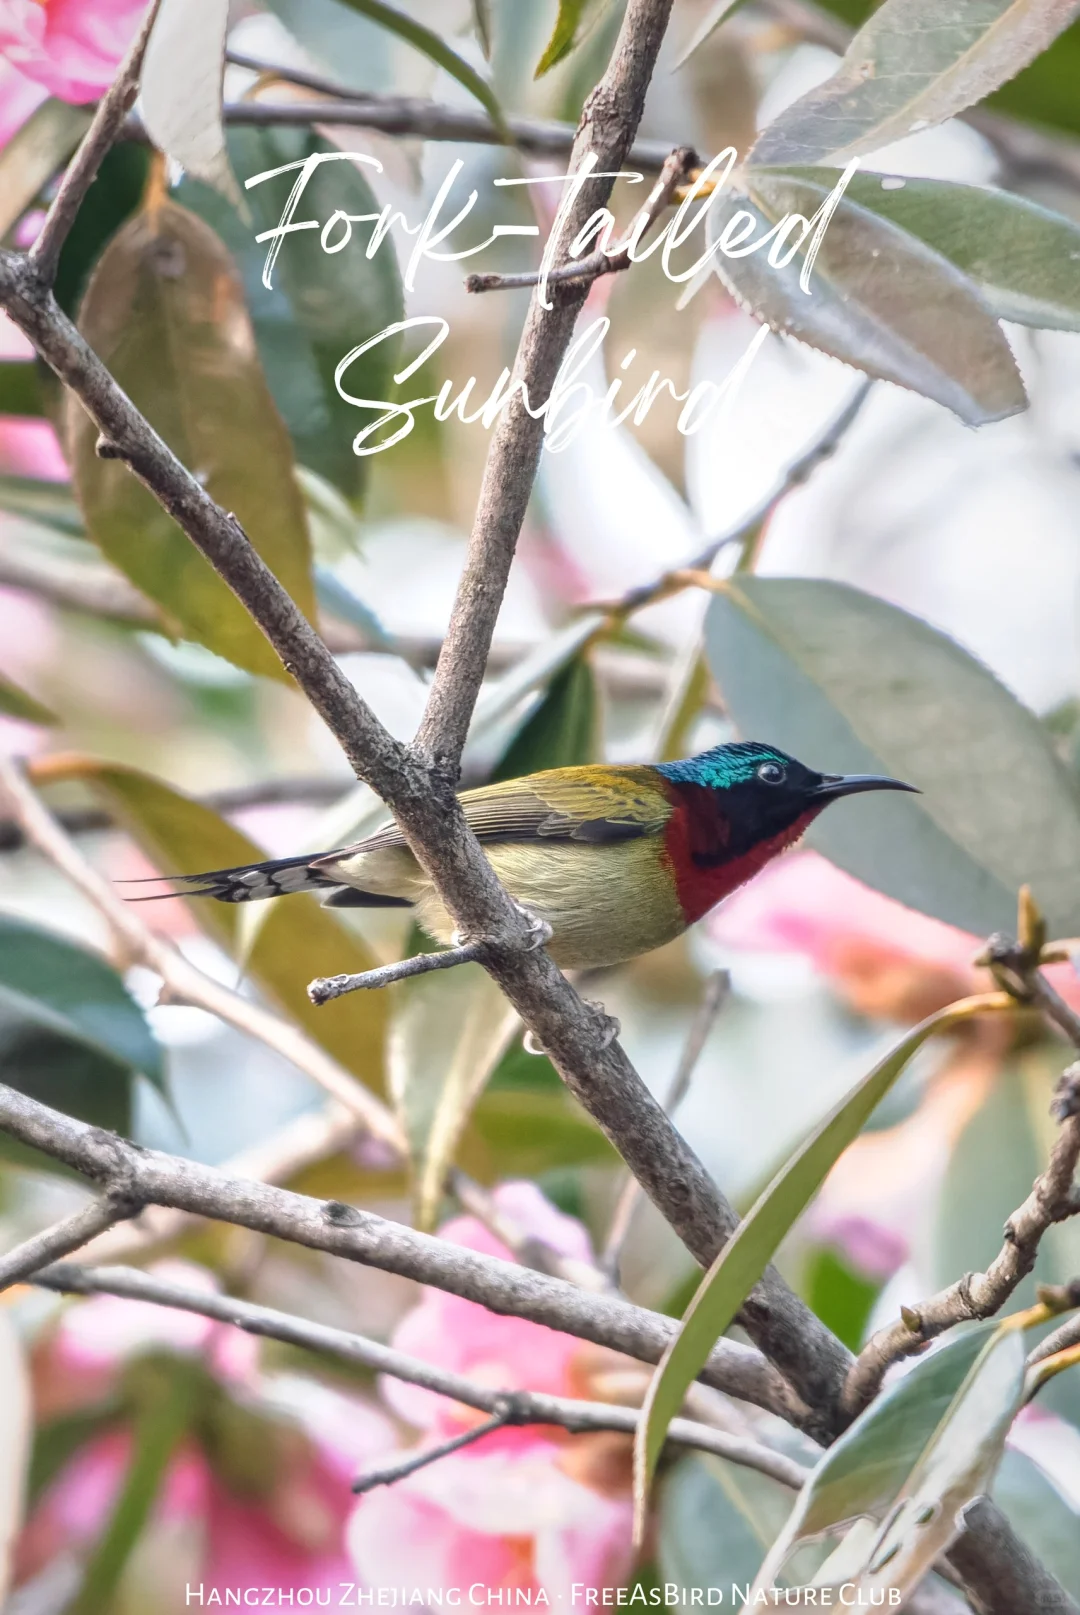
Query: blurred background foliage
[912,608]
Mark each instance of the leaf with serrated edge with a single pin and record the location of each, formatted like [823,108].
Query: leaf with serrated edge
[879,300]
[748,1252]
[300,939]
[1024,259]
[850,683]
[913,64]
[180,88]
[166,313]
[975,1389]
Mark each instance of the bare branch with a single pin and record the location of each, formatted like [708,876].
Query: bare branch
[325,988]
[184,982]
[506,1407]
[158,1179]
[71,1234]
[103,131]
[608,261]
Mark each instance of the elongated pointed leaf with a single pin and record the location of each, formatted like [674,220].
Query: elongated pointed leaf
[717,1521]
[574,17]
[849,683]
[17,703]
[716,14]
[166,312]
[879,299]
[35,153]
[917,1455]
[299,939]
[322,304]
[433,46]
[180,88]
[913,64]
[1024,259]
[745,1257]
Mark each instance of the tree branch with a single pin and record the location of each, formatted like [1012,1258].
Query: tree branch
[506,1407]
[115,1205]
[156,1178]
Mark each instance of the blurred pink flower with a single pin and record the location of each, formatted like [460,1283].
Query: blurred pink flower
[273,1512]
[529,1508]
[19,97]
[72,47]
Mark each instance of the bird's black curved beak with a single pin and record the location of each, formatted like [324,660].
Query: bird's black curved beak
[833,786]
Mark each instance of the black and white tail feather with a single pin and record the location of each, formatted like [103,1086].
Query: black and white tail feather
[276,877]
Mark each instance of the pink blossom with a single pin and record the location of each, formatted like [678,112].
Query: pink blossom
[72,47]
[282,1522]
[525,1508]
[19,97]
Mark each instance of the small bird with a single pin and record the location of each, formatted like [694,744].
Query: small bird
[615,861]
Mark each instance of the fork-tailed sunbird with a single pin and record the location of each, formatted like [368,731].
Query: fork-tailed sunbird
[617,859]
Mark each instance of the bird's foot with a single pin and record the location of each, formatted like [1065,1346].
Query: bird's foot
[540,932]
[610,1026]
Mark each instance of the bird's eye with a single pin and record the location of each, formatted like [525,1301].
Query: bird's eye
[772,774]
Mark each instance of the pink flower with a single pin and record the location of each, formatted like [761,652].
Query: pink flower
[529,1508]
[72,47]
[262,1479]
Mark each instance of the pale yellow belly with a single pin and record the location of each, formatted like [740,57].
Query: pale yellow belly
[604,904]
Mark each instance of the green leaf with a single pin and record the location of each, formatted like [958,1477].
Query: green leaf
[70,1034]
[35,153]
[481,10]
[716,1522]
[432,45]
[48,503]
[879,299]
[1024,259]
[920,1452]
[1042,1515]
[17,703]
[562,731]
[180,88]
[299,939]
[20,388]
[573,19]
[522,1134]
[717,12]
[842,1298]
[746,1255]
[166,312]
[913,64]
[849,683]
[322,304]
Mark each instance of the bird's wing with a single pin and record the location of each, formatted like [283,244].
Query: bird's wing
[593,804]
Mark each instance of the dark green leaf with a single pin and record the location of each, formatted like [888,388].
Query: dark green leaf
[879,299]
[165,311]
[297,941]
[322,304]
[743,1260]
[841,1298]
[114,196]
[35,153]
[850,684]
[1024,259]
[913,64]
[20,388]
[562,731]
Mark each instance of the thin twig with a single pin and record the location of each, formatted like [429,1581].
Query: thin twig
[1052,1200]
[526,1247]
[423,1456]
[506,1407]
[184,982]
[79,176]
[1062,1298]
[325,988]
[717,987]
[69,1235]
[608,260]
[158,1179]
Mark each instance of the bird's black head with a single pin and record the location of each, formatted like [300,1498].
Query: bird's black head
[762,792]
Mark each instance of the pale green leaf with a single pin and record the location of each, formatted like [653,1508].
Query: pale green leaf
[35,153]
[716,14]
[433,46]
[573,19]
[913,64]
[180,88]
[851,684]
